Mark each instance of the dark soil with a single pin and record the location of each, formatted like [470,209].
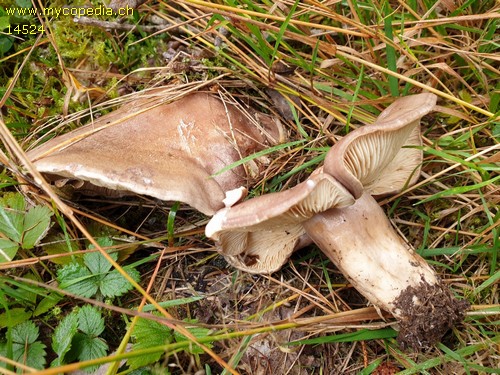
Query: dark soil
[428,312]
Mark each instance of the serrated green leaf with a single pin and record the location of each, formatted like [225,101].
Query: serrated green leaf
[32,355]
[22,228]
[11,216]
[90,321]
[95,276]
[114,284]
[103,241]
[77,279]
[25,333]
[13,200]
[25,348]
[14,317]
[151,331]
[36,224]
[197,332]
[86,347]
[62,337]
[97,264]
[8,250]
[147,334]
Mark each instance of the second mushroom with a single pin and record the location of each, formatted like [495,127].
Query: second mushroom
[335,209]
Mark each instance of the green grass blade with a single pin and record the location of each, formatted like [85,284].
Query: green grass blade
[282,30]
[390,51]
[459,190]
[173,303]
[361,335]
[259,154]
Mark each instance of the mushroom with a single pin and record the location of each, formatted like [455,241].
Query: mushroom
[171,151]
[260,234]
[357,237]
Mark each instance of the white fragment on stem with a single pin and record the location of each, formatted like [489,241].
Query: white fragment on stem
[234,196]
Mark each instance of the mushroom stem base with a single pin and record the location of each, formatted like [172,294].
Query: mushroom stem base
[427,312]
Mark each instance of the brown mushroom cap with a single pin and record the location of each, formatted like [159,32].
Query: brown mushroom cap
[259,235]
[372,158]
[168,151]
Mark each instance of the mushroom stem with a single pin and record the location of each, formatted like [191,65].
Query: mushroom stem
[360,241]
